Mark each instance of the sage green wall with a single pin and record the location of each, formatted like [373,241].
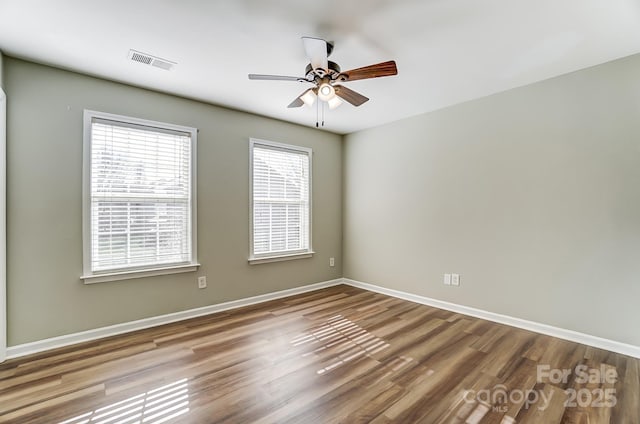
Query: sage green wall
[3,304]
[46,297]
[1,70]
[532,195]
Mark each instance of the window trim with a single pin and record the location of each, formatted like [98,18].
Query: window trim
[90,277]
[288,255]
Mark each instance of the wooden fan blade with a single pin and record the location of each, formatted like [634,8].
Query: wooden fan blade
[316,50]
[378,70]
[349,95]
[298,101]
[275,78]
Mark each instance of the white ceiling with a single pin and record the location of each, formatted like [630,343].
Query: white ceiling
[447,51]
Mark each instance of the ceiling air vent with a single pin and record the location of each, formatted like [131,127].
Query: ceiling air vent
[148,59]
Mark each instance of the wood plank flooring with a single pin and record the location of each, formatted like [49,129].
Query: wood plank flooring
[337,355]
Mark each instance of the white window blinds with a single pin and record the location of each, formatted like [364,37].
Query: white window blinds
[140,212]
[281,180]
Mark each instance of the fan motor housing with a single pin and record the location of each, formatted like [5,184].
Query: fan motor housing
[334,71]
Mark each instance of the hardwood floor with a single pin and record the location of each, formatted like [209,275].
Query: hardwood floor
[338,355]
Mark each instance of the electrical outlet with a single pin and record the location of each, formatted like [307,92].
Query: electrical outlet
[455,279]
[332,261]
[447,279]
[202,282]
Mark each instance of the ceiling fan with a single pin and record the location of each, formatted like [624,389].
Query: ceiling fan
[325,76]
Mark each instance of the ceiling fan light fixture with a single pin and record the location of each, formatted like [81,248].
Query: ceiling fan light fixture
[323,73]
[326,92]
[309,97]
[334,102]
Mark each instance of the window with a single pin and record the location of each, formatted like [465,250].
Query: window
[280,201]
[139,198]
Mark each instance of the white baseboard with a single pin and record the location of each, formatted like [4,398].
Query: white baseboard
[113,330]
[561,333]
[98,333]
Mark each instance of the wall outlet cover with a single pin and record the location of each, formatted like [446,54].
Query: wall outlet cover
[202,282]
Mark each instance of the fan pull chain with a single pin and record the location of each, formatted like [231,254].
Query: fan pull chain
[323,114]
[317,112]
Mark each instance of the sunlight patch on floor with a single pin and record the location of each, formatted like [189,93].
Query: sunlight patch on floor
[153,407]
[340,330]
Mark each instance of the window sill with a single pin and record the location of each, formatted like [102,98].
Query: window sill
[149,272]
[279,258]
